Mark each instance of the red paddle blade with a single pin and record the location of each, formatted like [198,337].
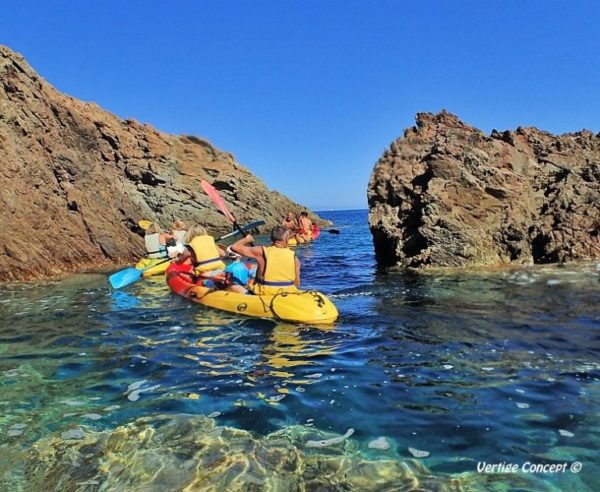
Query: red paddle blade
[213,194]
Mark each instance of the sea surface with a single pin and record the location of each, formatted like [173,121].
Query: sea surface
[423,380]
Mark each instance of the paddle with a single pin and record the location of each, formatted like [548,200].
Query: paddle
[213,194]
[128,276]
[144,224]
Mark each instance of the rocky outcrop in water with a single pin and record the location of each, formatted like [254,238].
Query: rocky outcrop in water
[194,453]
[447,195]
[76,179]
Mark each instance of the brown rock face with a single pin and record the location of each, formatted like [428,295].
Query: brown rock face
[75,179]
[446,195]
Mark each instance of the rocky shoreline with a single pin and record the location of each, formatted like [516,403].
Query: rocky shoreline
[447,195]
[76,179]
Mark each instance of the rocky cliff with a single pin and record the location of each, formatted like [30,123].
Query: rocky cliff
[447,195]
[75,180]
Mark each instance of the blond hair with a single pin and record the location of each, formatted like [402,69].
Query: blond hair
[194,231]
[153,229]
[178,225]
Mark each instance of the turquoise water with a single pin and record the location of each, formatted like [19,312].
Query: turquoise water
[486,366]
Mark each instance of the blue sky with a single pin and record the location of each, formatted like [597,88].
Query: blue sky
[307,94]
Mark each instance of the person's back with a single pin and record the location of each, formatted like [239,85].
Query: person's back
[156,242]
[179,231]
[203,252]
[278,267]
[279,271]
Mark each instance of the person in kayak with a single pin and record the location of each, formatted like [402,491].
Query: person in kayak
[179,230]
[156,242]
[306,226]
[202,252]
[278,267]
[290,222]
[237,277]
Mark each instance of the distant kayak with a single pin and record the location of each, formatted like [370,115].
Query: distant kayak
[314,234]
[299,307]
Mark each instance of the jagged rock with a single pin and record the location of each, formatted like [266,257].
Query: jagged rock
[76,179]
[447,195]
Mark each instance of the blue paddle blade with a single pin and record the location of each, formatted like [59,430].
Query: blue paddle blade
[125,277]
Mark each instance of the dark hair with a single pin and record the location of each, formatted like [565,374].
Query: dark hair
[278,233]
[304,213]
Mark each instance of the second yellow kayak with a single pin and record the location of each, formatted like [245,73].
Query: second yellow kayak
[155,266]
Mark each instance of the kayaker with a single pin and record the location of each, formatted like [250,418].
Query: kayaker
[290,222]
[156,241]
[179,230]
[237,277]
[203,253]
[306,226]
[278,267]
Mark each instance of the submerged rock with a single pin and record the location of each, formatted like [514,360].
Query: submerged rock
[192,453]
[76,179]
[447,195]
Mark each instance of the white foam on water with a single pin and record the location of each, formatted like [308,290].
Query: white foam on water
[522,405]
[417,453]
[136,385]
[73,403]
[565,433]
[134,396]
[380,443]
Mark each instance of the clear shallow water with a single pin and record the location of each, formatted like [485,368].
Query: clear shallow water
[495,366]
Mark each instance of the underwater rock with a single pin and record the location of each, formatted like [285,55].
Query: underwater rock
[447,195]
[76,433]
[193,453]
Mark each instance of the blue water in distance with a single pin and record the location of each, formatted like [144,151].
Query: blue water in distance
[495,366]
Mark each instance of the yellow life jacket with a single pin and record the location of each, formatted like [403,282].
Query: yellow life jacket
[207,254]
[279,272]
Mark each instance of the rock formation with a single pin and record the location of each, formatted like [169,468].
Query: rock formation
[75,180]
[447,195]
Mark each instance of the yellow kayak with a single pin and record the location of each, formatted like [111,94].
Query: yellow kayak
[149,263]
[294,242]
[299,307]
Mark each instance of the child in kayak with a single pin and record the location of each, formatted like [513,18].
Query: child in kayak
[202,252]
[237,277]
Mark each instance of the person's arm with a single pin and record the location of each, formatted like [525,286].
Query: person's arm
[297,279]
[222,251]
[241,248]
[164,237]
[183,256]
